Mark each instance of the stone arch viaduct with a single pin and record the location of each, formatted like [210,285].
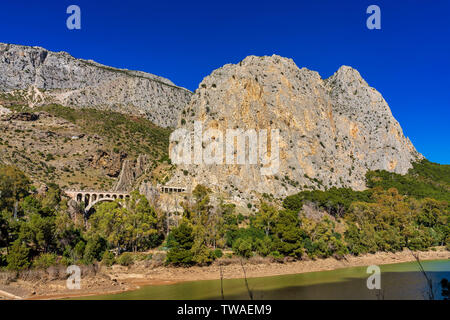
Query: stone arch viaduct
[91,198]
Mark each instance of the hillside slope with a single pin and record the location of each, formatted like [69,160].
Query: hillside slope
[83,149]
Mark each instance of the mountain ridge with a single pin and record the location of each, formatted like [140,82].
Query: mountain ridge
[45,77]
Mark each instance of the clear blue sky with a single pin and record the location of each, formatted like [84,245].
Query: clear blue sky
[408,60]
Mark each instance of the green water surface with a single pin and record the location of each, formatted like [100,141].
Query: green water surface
[398,281]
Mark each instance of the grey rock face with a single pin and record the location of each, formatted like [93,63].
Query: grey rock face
[110,162]
[150,192]
[332,131]
[4,111]
[58,77]
[131,170]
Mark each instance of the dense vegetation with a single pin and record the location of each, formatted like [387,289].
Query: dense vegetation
[396,212]
[424,180]
[37,231]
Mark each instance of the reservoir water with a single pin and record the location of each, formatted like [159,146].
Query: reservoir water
[398,281]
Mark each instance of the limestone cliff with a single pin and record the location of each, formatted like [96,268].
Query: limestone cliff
[331,131]
[131,170]
[41,76]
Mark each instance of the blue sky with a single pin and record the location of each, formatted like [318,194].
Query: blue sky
[408,60]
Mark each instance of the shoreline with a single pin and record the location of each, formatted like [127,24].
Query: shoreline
[120,279]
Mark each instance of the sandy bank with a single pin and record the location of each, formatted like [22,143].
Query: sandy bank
[119,279]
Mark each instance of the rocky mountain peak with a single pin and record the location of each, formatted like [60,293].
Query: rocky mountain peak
[347,74]
[331,131]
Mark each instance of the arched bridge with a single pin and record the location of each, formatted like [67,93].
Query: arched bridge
[91,198]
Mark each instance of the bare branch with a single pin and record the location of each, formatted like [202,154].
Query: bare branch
[221,281]
[429,280]
[246,283]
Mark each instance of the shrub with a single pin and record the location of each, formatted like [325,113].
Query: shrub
[125,259]
[32,275]
[7,277]
[108,258]
[243,247]
[45,260]
[276,256]
[218,253]
[94,250]
[202,255]
[180,257]
[66,261]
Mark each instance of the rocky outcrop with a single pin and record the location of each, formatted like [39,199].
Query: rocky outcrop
[151,192]
[331,131]
[76,212]
[131,170]
[110,162]
[21,116]
[4,111]
[43,76]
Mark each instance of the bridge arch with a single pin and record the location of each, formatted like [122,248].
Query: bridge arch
[91,198]
[92,204]
[87,199]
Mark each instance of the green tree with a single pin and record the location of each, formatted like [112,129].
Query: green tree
[288,236]
[52,197]
[5,229]
[67,232]
[14,186]
[18,257]
[266,217]
[243,247]
[110,221]
[94,249]
[38,232]
[263,246]
[141,221]
[201,254]
[181,243]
